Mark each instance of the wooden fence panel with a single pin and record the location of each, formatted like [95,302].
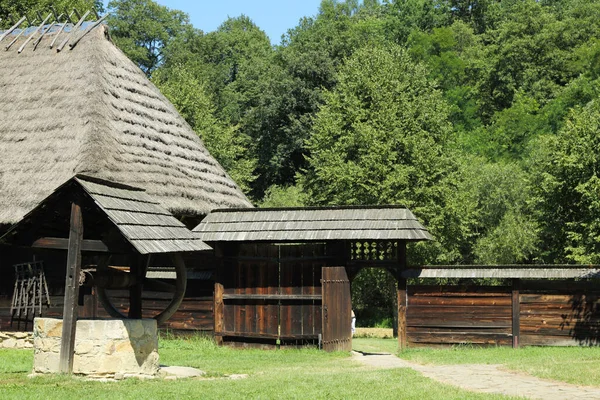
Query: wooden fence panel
[560,313]
[448,315]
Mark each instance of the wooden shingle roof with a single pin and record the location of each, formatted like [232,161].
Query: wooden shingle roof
[148,226]
[312,224]
[108,207]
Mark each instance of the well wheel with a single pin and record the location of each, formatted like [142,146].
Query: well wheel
[176,287]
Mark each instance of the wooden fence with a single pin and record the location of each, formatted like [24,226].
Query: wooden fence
[530,312]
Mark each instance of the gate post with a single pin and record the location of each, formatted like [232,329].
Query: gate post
[402,296]
[218,308]
[516,311]
[402,301]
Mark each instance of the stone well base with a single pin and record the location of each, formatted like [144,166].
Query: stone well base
[16,340]
[108,348]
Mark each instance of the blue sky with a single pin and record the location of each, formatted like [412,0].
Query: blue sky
[272,16]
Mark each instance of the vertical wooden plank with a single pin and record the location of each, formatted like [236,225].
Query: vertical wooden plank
[273,277]
[325,333]
[516,311]
[250,304]
[286,289]
[240,307]
[261,279]
[67,343]
[137,269]
[296,282]
[90,304]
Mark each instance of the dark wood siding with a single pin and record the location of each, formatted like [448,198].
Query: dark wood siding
[551,312]
[441,315]
[560,313]
[273,292]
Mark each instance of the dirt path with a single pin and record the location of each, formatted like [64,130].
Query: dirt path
[485,378]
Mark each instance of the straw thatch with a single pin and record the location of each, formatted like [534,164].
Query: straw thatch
[91,111]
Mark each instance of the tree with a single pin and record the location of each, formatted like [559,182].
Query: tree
[381,139]
[142,29]
[230,147]
[567,187]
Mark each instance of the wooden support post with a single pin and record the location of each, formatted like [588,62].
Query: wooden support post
[402,301]
[218,308]
[138,270]
[67,343]
[402,296]
[516,311]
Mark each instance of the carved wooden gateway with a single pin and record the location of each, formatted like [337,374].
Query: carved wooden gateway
[284,274]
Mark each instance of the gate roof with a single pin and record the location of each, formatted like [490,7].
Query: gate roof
[312,224]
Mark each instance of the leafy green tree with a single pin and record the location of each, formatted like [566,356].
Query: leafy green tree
[380,139]
[567,203]
[230,147]
[453,55]
[284,196]
[142,28]
[374,297]
[503,228]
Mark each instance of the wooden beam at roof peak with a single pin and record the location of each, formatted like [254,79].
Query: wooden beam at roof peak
[63,244]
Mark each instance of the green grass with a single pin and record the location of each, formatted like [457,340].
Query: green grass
[273,374]
[375,345]
[577,365]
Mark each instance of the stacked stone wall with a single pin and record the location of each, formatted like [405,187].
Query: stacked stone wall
[16,340]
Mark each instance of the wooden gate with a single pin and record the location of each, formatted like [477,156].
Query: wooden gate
[269,293]
[337,308]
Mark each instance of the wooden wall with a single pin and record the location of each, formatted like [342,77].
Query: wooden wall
[445,315]
[195,313]
[560,313]
[550,312]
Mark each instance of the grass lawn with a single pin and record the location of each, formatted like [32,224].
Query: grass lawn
[577,365]
[275,374]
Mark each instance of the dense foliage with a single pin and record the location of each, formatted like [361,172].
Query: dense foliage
[482,117]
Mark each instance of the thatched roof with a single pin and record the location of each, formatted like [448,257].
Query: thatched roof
[312,224]
[90,110]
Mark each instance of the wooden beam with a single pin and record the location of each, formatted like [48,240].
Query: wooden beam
[402,296]
[67,342]
[308,297]
[516,311]
[402,301]
[63,244]
[138,269]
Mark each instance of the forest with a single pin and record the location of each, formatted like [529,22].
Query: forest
[481,116]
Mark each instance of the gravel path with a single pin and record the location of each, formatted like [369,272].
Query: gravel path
[485,378]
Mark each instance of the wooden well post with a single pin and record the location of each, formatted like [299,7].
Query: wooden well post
[67,343]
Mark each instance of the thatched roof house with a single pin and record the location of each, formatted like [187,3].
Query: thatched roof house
[90,110]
